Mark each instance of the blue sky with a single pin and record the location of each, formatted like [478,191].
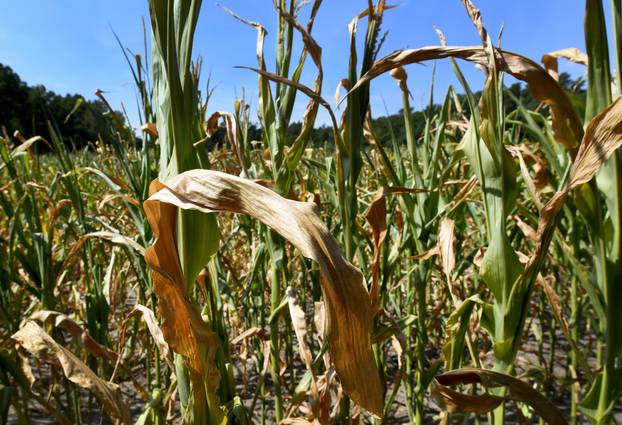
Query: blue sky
[68,45]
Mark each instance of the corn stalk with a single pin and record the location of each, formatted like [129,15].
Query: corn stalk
[606,388]
[175,94]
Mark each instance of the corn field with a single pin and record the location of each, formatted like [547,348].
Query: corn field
[467,273]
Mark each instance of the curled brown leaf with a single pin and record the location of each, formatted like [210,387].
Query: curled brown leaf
[349,313]
[454,401]
[182,325]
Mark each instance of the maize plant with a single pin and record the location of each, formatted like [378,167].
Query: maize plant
[458,264]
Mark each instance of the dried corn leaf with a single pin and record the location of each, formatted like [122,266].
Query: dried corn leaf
[557,309]
[572,54]
[115,238]
[261,32]
[232,133]
[319,320]
[379,8]
[156,333]
[349,311]
[115,183]
[377,218]
[345,83]
[550,60]
[106,199]
[61,321]
[300,327]
[298,86]
[446,241]
[453,401]
[602,137]
[36,341]
[247,334]
[297,421]
[518,391]
[426,255]
[153,326]
[151,129]
[566,125]
[182,325]
[476,17]
[527,230]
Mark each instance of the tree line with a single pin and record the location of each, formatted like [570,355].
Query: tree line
[81,122]
[29,109]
